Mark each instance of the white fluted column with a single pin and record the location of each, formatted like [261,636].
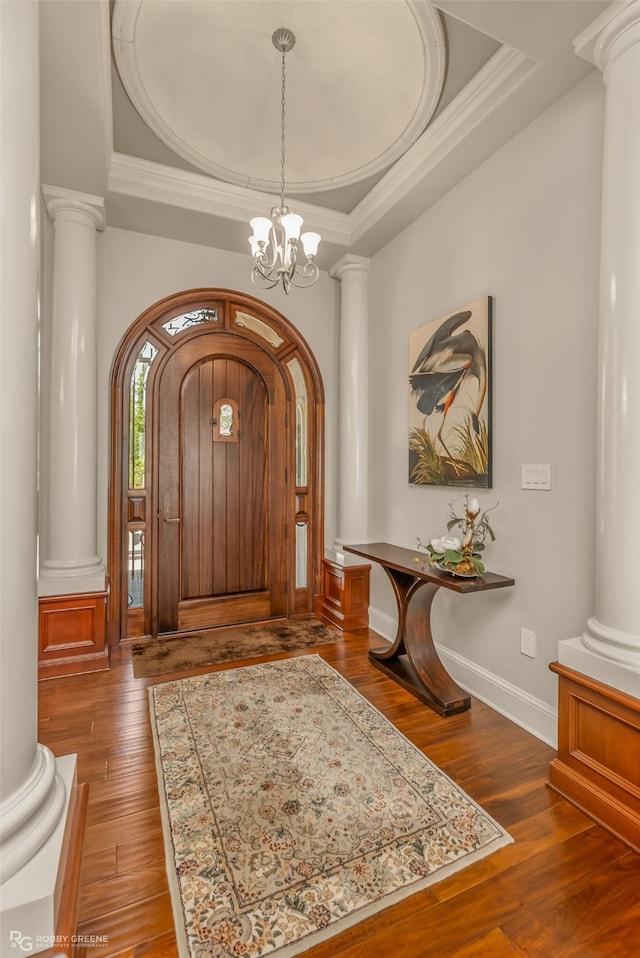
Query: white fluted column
[33,793]
[611,641]
[352,271]
[70,562]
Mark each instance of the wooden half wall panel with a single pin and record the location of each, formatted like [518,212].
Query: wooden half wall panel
[598,763]
[68,943]
[72,634]
[345,595]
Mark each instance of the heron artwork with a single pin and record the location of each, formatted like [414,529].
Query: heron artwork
[450,375]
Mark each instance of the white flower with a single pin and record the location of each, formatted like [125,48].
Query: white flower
[446,544]
[473,507]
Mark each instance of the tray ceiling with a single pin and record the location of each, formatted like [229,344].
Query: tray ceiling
[170,109]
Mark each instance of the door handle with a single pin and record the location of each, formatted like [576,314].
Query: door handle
[167,510]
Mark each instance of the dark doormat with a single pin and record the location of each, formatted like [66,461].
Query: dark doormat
[216,646]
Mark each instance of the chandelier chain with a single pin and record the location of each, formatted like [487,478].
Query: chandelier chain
[282,130]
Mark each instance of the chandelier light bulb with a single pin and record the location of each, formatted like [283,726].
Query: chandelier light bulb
[310,243]
[261,227]
[292,223]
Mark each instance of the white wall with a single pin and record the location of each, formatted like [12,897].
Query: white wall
[523,228]
[136,270]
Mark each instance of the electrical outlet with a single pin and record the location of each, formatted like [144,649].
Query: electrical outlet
[528,643]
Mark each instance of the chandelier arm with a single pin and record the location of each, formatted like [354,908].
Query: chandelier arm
[263,264]
[262,280]
[261,260]
[264,267]
[261,268]
[309,274]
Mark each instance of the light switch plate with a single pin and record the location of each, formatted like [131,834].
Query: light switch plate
[536,477]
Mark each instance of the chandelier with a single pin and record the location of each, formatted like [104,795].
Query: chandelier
[274,243]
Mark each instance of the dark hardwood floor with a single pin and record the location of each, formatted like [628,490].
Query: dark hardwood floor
[566,887]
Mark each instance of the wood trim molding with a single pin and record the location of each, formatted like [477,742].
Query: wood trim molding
[344,601]
[72,634]
[598,763]
[68,884]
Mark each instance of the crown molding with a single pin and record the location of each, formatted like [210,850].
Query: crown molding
[490,87]
[144,179]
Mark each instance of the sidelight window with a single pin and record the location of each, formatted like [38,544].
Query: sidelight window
[138,415]
[137,496]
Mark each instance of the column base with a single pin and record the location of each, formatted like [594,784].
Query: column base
[31,814]
[622,647]
[40,900]
[62,578]
[598,762]
[575,655]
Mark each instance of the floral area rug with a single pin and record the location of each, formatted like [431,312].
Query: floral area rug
[293,808]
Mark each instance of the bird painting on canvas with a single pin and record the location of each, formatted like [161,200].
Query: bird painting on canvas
[449,381]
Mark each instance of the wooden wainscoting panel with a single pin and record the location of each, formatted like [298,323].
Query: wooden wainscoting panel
[345,595]
[72,634]
[598,763]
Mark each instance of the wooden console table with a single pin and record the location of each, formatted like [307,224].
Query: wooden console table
[412,660]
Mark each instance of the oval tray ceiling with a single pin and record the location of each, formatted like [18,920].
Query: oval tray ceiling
[362,83]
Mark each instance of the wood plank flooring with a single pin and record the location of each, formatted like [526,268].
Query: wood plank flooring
[566,887]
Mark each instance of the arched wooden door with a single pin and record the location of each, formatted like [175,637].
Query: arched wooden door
[223,482]
[216,492]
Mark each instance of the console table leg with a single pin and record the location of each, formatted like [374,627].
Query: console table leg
[412,659]
[444,695]
[403,586]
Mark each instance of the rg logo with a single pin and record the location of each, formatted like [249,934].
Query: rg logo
[18,940]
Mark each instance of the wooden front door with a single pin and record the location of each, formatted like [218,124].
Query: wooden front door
[222,492]
[214,523]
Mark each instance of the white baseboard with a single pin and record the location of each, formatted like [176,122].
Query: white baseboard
[527,711]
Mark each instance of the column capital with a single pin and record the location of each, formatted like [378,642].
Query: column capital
[350,264]
[610,35]
[58,200]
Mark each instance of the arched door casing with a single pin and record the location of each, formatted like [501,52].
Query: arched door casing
[216,491]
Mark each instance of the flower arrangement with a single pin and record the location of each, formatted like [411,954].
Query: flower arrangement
[461,554]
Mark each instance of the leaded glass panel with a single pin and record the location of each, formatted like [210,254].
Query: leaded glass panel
[138,415]
[135,577]
[301,555]
[302,422]
[196,318]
